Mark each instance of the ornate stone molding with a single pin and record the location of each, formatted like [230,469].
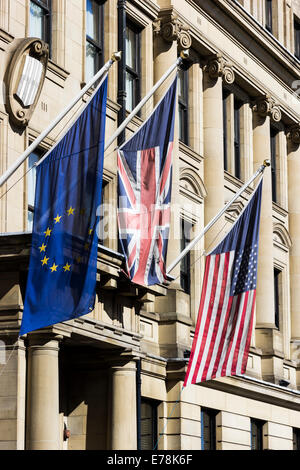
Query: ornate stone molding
[266,106]
[293,133]
[21,108]
[217,66]
[171,28]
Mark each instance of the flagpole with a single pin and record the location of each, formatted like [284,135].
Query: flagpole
[115,57]
[183,55]
[211,223]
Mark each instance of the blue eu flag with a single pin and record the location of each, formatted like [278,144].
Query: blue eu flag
[63,259]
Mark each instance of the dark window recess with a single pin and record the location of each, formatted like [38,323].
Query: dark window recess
[40,20]
[256,434]
[148,424]
[133,66]
[183,106]
[277,274]
[237,138]
[297,37]
[225,130]
[268,12]
[94,38]
[273,140]
[296,439]
[185,265]
[208,429]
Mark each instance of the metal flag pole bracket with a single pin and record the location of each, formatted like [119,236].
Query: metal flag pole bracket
[259,171]
[183,55]
[116,56]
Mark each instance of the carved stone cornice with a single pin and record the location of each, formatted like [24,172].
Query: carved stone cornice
[266,106]
[293,133]
[171,28]
[217,66]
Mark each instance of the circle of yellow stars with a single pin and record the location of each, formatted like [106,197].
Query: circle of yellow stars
[57,220]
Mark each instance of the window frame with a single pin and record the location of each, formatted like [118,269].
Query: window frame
[296,438]
[154,422]
[277,296]
[273,159]
[233,101]
[210,414]
[225,94]
[296,37]
[259,424]
[40,152]
[183,106]
[237,137]
[46,6]
[185,264]
[98,45]
[134,73]
[269,16]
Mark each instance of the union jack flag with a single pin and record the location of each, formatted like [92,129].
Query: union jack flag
[144,193]
[224,325]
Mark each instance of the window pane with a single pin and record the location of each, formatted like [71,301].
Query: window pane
[130,92]
[92,20]
[256,434]
[36,21]
[237,139]
[148,425]
[91,61]
[185,265]
[208,429]
[31,179]
[297,38]
[268,11]
[273,137]
[131,49]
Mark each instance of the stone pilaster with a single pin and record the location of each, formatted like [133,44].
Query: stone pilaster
[216,70]
[43,431]
[123,424]
[264,110]
[293,138]
[267,338]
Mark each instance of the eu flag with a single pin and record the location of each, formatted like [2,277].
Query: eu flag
[63,260]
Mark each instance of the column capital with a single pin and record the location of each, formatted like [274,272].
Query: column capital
[266,106]
[44,341]
[171,28]
[217,66]
[293,133]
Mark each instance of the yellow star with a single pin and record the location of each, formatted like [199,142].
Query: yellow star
[53,268]
[90,231]
[57,219]
[71,211]
[42,248]
[44,261]
[48,232]
[67,267]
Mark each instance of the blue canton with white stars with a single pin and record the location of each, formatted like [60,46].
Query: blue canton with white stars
[244,270]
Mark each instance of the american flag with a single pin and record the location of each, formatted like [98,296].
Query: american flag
[224,325]
[144,193]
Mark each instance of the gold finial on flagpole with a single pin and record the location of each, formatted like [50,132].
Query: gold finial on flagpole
[116,56]
[267,162]
[185,54]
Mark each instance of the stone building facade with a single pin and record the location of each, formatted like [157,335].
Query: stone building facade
[114,378]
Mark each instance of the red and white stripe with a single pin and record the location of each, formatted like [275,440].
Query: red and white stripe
[224,326]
